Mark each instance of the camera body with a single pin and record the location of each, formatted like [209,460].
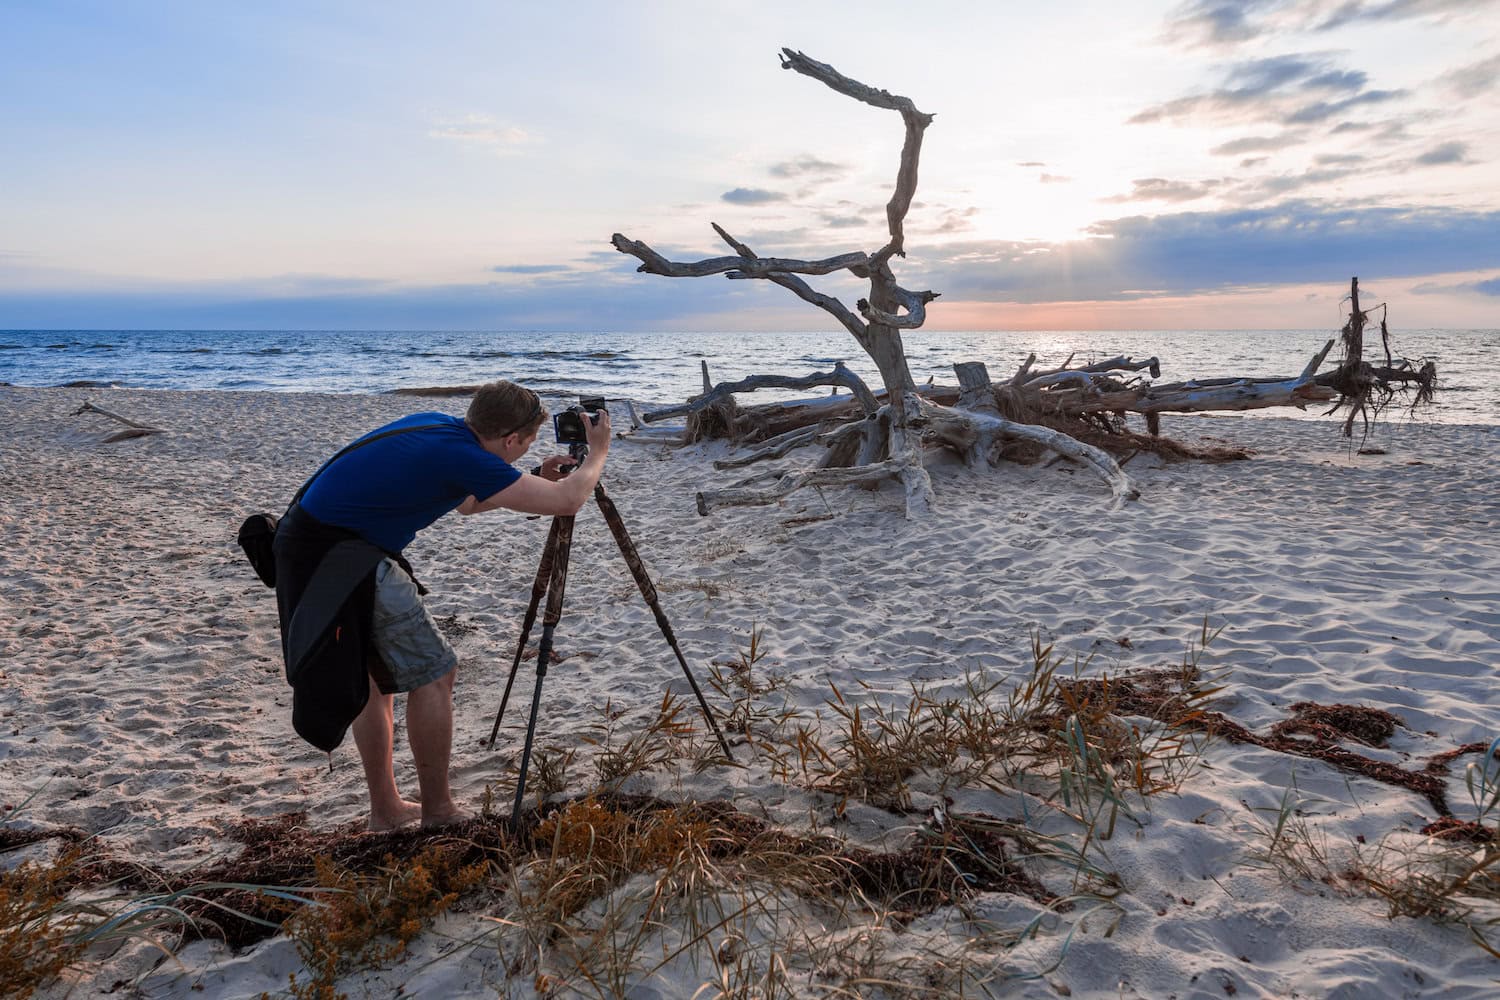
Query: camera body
[568,426]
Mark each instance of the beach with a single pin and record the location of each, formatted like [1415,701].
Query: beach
[144,702]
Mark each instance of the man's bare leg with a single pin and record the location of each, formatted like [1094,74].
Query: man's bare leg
[373,736]
[429,729]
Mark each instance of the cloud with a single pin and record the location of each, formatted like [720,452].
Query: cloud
[1054,179]
[1337,80]
[751,196]
[808,166]
[1225,23]
[1194,252]
[1260,76]
[482,130]
[1323,110]
[1130,258]
[957,220]
[1032,163]
[1395,10]
[1273,89]
[1215,22]
[1161,189]
[1474,79]
[1338,159]
[1258,190]
[530,268]
[1489,286]
[843,221]
[613,299]
[1258,144]
[1444,153]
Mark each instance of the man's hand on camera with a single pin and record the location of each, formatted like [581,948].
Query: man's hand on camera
[597,432]
[553,465]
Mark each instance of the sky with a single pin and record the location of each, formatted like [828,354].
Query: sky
[462,166]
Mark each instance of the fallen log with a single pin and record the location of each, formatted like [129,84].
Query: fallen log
[1204,395]
[726,390]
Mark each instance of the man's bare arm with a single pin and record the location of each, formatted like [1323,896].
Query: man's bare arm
[536,495]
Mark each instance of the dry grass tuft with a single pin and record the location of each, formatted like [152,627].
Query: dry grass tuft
[40,935]
[366,920]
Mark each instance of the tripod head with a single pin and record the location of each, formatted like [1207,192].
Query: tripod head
[577,451]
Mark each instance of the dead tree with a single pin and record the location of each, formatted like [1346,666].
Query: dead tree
[1366,389]
[1076,412]
[887,442]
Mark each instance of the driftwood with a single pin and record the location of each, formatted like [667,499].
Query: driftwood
[839,376]
[133,429]
[880,436]
[1366,389]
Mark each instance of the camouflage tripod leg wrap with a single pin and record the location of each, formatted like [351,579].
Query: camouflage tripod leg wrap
[538,588]
[556,584]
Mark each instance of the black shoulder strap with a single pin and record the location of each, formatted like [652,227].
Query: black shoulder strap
[355,445]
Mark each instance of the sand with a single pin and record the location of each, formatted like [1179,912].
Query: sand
[142,697]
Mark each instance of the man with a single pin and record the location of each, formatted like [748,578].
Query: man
[371,500]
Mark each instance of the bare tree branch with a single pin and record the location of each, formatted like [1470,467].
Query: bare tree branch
[911,150]
[805,292]
[915,304]
[755,267]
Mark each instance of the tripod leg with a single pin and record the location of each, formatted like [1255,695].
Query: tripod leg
[538,588]
[557,583]
[648,591]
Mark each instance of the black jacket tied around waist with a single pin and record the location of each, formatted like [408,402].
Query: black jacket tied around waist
[325,596]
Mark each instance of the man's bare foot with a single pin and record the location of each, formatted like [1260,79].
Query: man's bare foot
[446,818]
[406,813]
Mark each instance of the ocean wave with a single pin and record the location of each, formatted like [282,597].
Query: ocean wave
[13,347]
[434,390]
[89,383]
[567,355]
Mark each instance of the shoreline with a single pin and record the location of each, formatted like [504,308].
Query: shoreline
[143,690]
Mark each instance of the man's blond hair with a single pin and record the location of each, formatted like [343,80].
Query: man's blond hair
[503,408]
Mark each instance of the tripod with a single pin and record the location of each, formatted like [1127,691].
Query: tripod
[552,580]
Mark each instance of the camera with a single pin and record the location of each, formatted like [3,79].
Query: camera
[568,425]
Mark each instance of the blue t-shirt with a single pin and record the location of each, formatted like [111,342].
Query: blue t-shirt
[390,490]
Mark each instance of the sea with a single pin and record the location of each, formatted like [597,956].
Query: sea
[665,368]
